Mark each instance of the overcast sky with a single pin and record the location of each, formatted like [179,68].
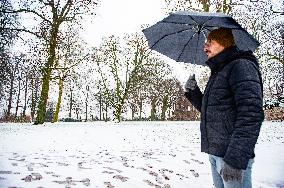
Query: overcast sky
[126,16]
[123,16]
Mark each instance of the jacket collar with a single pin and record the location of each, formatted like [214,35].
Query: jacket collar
[219,60]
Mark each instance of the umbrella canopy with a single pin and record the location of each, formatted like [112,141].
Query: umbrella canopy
[181,35]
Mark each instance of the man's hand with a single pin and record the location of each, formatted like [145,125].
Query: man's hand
[190,84]
[230,173]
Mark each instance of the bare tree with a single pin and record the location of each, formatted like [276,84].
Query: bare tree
[170,95]
[14,70]
[71,53]
[153,78]
[265,24]
[7,38]
[51,16]
[124,66]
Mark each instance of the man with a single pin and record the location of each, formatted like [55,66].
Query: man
[231,109]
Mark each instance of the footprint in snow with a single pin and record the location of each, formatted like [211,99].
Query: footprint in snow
[49,172]
[120,177]
[166,177]
[197,161]
[195,174]
[149,182]
[70,181]
[56,176]
[109,185]
[156,185]
[113,169]
[107,172]
[14,164]
[182,176]
[163,170]
[152,173]
[80,165]
[32,177]
[19,160]
[5,172]
[62,164]
[186,161]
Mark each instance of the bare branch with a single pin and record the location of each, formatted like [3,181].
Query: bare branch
[57,5]
[28,11]
[71,18]
[65,10]
[275,57]
[48,3]
[79,61]
[27,31]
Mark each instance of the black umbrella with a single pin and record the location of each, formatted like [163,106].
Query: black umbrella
[181,35]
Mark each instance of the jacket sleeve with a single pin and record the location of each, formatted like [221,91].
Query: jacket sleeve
[195,98]
[246,85]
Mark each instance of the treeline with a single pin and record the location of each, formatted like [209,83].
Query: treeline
[58,73]
[121,79]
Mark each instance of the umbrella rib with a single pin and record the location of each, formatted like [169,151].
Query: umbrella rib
[193,20]
[167,36]
[199,30]
[177,23]
[185,46]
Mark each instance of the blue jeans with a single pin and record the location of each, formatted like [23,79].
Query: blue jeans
[216,166]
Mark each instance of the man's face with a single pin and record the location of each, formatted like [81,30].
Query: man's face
[212,48]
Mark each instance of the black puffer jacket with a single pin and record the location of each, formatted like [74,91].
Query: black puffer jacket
[231,107]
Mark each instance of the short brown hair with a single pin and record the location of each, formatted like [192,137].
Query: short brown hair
[223,36]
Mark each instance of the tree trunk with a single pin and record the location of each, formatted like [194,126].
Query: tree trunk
[140,110]
[118,112]
[132,111]
[100,104]
[164,107]
[106,111]
[71,103]
[18,98]
[86,118]
[10,95]
[33,99]
[10,99]
[226,7]
[153,110]
[121,102]
[35,86]
[60,85]
[77,113]
[46,77]
[26,93]
[43,98]
[205,5]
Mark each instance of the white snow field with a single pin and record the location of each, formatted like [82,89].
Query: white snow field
[124,155]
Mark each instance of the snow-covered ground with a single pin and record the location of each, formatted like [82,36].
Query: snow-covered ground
[125,155]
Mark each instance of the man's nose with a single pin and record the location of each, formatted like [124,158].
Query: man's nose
[204,48]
